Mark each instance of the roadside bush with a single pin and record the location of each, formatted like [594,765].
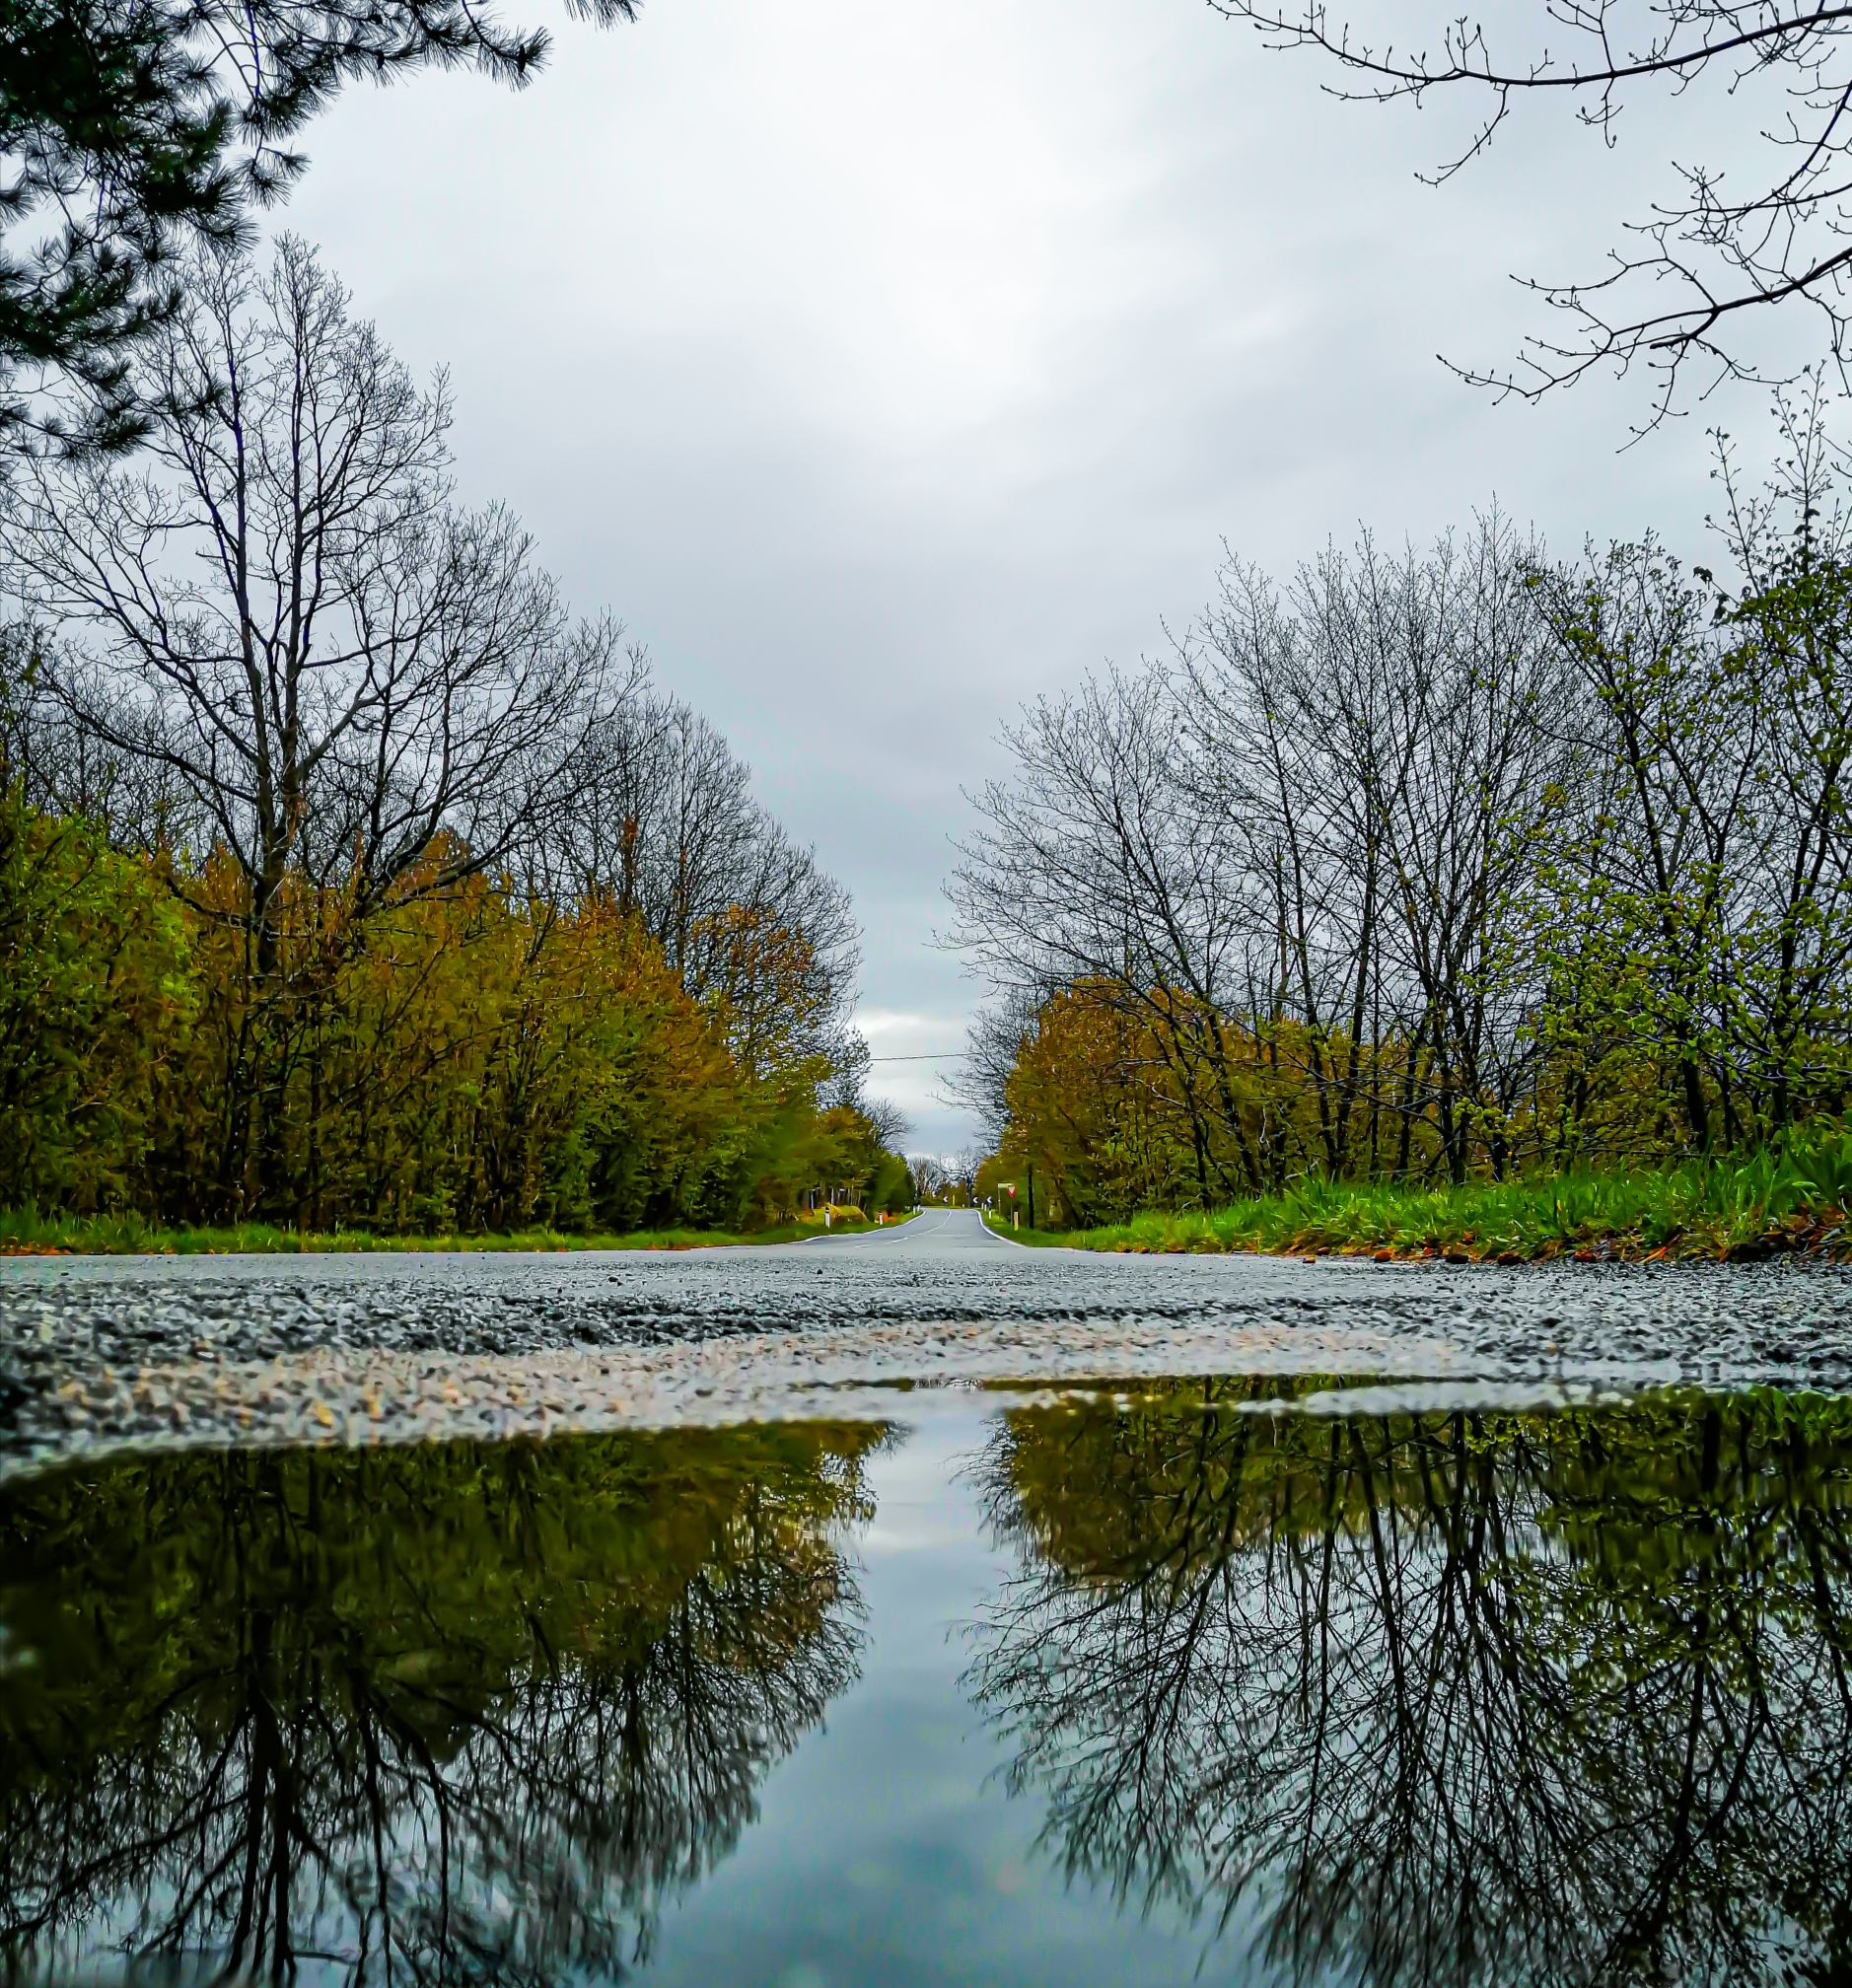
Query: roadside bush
[97,1001]
[459,1060]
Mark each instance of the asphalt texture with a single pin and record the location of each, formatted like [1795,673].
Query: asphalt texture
[101,1352]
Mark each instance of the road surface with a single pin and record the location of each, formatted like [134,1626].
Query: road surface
[99,1352]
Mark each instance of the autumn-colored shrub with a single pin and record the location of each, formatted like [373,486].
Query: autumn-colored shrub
[461,1058]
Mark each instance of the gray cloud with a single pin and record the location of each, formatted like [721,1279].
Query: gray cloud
[884,367]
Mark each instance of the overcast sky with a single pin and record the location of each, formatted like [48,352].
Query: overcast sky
[884,366]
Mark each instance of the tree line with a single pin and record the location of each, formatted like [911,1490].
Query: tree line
[1433,864]
[344,875]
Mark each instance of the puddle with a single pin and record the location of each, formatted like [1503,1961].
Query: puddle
[1137,1687]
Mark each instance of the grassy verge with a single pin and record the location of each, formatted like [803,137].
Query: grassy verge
[1738,1211]
[23,1231]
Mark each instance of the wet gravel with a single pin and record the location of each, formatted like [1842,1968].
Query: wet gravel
[99,1352]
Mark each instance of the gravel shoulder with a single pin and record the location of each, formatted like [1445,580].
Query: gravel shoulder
[102,1353]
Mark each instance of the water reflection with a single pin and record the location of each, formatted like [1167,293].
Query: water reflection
[432,1714]
[1441,1698]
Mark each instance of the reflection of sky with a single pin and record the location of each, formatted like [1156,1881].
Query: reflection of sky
[886,1850]
[886,366]
[1556,1785]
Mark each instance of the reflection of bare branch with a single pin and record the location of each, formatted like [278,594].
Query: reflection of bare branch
[361,1759]
[1558,1698]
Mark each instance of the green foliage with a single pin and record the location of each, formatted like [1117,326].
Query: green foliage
[26,1232]
[889,1184]
[1758,1205]
[95,997]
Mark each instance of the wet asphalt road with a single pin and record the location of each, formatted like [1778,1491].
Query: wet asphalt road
[101,1350]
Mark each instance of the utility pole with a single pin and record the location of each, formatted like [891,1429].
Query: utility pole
[1032,1193]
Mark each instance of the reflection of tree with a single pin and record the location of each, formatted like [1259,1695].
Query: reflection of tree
[427,1713]
[1468,1698]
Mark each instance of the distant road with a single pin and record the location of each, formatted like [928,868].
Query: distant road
[932,1236]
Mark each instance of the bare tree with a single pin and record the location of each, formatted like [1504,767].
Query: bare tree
[62,765]
[328,673]
[1296,857]
[664,820]
[285,612]
[1727,248]
[1379,745]
[891,1124]
[1098,863]
[979,1081]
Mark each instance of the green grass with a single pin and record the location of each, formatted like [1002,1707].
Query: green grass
[1741,1209]
[25,1231]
